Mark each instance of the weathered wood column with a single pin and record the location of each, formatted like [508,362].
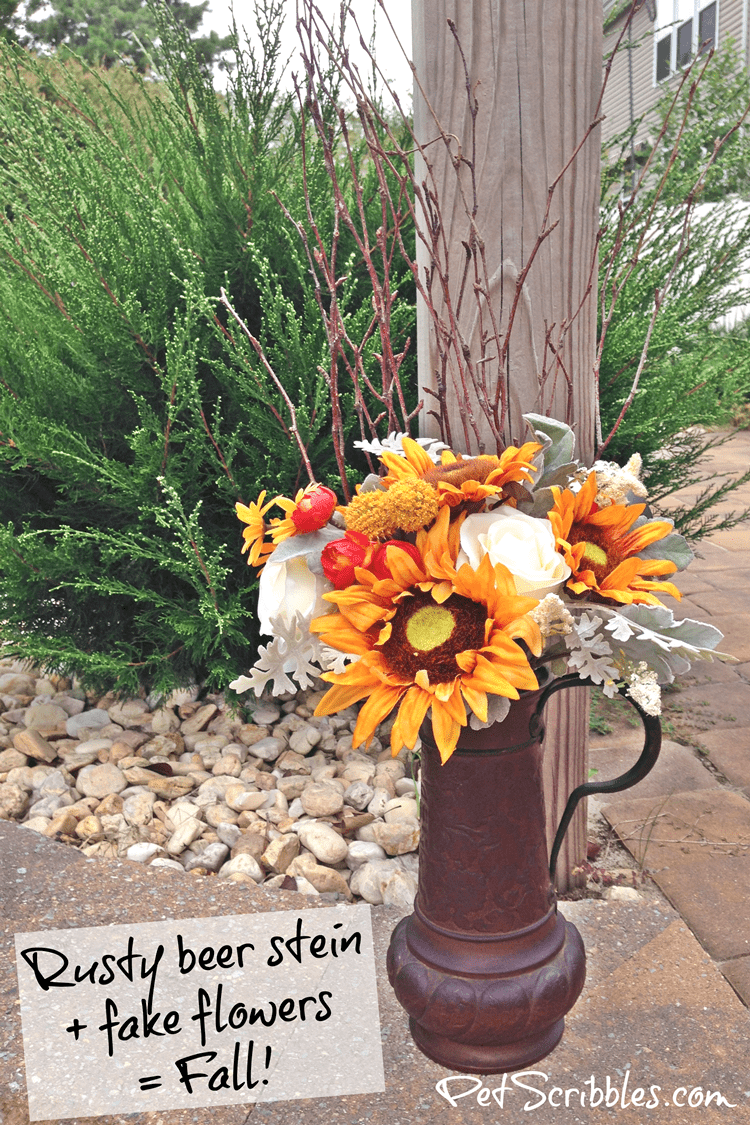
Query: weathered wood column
[535,67]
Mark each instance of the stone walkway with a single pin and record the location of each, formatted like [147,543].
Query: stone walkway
[688,823]
[661,1010]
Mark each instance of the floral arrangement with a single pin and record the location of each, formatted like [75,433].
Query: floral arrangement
[448,580]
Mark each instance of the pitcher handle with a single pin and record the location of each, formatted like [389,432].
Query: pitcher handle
[645,763]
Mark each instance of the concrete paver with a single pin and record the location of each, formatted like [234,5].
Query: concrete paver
[696,843]
[707,705]
[713,672]
[730,577]
[729,750]
[674,830]
[713,558]
[736,630]
[677,769]
[714,899]
[672,988]
[737,972]
[716,603]
[735,539]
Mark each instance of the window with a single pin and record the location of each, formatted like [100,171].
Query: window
[684,29]
[706,27]
[684,44]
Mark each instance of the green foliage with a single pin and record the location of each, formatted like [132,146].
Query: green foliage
[717,103]
[9,20]
[104,32]
[133,412]
[696,372]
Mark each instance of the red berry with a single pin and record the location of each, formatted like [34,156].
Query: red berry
[314,509]
[340,557]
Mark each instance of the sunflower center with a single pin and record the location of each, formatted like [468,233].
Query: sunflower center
[594,554]
[600,550]
[429,627]
[427,635]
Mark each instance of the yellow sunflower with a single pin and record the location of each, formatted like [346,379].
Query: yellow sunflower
[429,638]
[463,480]
[254,533]
[602,551]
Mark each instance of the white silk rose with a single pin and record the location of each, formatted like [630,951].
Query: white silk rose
[292,582]
[524,544]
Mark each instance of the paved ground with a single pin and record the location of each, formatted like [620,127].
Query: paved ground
[664,1007]
[689,823]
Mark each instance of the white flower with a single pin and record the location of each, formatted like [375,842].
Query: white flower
[394,444]
[644,689]
[288,589]
[524,544]
[614,483]
[553,617]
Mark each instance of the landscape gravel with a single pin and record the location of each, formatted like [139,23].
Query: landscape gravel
[270,795]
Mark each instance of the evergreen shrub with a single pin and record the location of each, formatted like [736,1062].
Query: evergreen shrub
[697,371]
[133,413]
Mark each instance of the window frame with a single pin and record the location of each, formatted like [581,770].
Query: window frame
[671,31]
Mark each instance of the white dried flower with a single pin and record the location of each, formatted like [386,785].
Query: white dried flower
[620,628]
[553,617]
[614,483]
[585,630]
[644,689]
[268,668]
[591,654]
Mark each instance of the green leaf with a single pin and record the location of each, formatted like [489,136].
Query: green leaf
[559,444]
[651,633]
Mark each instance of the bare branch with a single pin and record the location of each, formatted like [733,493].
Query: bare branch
[277,382]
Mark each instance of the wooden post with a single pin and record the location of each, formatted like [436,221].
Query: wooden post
[536,70]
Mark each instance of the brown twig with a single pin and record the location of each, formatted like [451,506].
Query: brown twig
[277,382]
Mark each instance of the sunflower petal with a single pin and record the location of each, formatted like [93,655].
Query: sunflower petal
[445,731]
[476,699]
[338,633]
[404,569]
[657,566]
[645,535]
[411,715]
[379,704]
[416,456]
[340,696]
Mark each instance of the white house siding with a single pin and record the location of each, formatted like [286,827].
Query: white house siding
[730,22]
[616,103]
